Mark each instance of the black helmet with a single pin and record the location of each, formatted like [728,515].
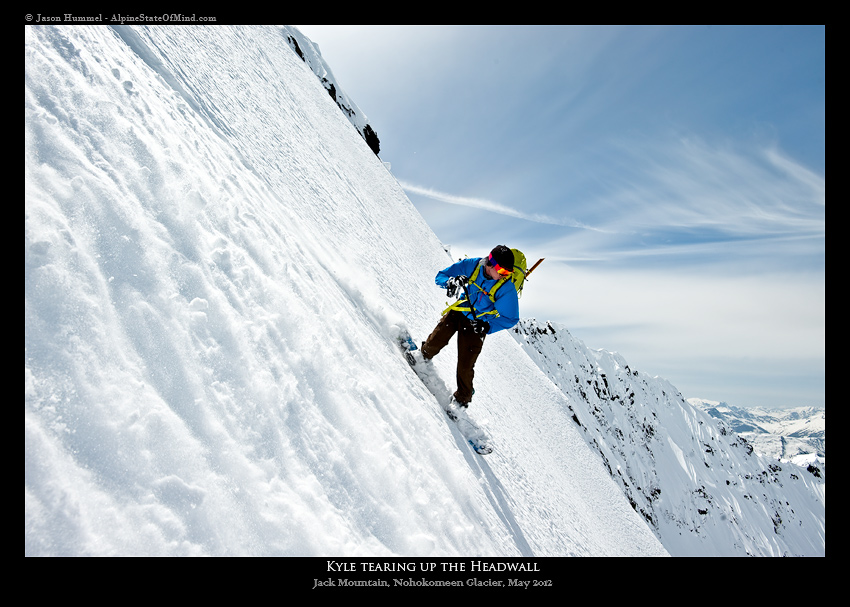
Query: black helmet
[502,256]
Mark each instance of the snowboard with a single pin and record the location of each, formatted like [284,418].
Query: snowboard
[474,434]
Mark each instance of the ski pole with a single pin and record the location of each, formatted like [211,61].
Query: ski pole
[475,320]
[469,299]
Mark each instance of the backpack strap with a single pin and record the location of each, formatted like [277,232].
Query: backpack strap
[462,306]
[492,293]
[459,305]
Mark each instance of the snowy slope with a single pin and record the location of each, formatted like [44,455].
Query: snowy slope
[310,54]
[213,260]
[699,485]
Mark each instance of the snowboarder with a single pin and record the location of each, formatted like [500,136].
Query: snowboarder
[488,304]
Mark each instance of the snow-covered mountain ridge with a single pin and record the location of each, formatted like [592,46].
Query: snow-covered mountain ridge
[783,434]
[214,260]
[312,56]
[697,483]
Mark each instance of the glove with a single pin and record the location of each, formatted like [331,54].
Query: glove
[455,284]
[481,327]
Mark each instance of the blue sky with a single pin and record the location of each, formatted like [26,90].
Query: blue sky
[674,178]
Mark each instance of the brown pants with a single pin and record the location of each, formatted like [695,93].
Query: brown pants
[469,346]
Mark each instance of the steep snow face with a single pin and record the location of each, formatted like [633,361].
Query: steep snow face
[214,260]
[699,485]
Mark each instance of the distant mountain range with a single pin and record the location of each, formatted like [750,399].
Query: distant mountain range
[784,434]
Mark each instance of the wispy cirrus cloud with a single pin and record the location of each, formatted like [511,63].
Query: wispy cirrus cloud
[494,207]
[692,185]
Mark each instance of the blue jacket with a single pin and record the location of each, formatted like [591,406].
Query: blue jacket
[506,304]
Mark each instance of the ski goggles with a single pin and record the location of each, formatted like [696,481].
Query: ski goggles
[502,271]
